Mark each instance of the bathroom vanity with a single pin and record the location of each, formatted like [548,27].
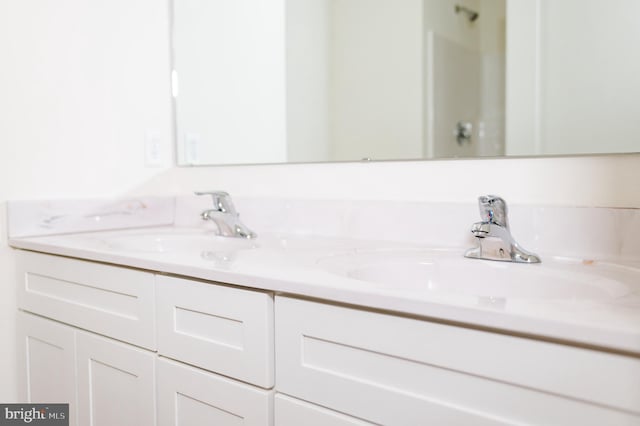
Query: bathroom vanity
[170,325]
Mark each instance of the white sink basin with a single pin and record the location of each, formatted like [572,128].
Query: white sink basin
[190,240]
[178,241]
[441,272]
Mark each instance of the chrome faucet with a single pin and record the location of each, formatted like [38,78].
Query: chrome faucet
[225,216]
[494,238]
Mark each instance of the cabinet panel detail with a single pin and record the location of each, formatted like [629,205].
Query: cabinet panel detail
[78,294]
[394,370]
[191,411]
[116,383]
[215,329]
[189,396]
[221,329]
[293,412]
[46,362]
[113,301]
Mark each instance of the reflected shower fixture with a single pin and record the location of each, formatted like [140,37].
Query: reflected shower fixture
[471,14]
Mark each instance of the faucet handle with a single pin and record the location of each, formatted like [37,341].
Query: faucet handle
[221,201]
[493,209]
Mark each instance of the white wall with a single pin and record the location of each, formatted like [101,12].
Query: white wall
[585,101]
[81,83]
[356,68]
[492,24]
[307,80]
[452,97]
[590,96]
[464,76]
[376,106]
[602,181]
[230,59]
[440,17]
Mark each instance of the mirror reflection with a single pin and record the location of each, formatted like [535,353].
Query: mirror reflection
[259,81]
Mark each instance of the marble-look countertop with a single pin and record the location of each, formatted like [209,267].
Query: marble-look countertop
[318,267]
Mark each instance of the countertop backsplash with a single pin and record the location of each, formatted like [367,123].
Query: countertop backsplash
[585,233]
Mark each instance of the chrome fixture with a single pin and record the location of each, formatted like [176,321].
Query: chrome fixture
[472,15]
[494,238]
[463,132]
[225,216]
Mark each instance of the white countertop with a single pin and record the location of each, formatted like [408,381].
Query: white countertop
[297,265]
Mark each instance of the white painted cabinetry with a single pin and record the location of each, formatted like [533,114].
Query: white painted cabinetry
[105,382]
[116,383]
[400,371]
[222,329]
[231,356]
[46,362]
[294,412]
[98,349]
[189,396]
[109,300]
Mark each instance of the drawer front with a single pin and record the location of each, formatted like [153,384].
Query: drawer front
[394,370]
[221,329]
[293,412]
[109,300]
[190,396]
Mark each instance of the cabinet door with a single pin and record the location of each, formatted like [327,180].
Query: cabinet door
[46,362]
[188,396]
[293,412]
[116,383]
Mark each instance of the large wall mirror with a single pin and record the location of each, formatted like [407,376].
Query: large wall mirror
[274,81]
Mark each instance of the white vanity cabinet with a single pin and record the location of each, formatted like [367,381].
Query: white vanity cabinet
[116,382]
[222,329]
[189,396]
[294,412]
[87,336]
[105,382]
[46,362]
[109,300]
[131,347]
[393,370]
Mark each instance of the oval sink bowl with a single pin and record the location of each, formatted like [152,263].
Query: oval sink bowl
[296,243]
[176,242]
[446,273]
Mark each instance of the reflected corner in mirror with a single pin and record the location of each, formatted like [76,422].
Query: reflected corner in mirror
[369,80]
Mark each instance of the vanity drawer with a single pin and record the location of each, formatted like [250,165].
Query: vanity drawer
[113,301]
[222,329]
[190,396]
[401,371]
[293,412]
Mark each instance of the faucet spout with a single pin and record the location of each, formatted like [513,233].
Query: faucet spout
[494,238]
[490,230]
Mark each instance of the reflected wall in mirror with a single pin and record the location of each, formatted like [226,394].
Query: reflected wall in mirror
[273,81]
